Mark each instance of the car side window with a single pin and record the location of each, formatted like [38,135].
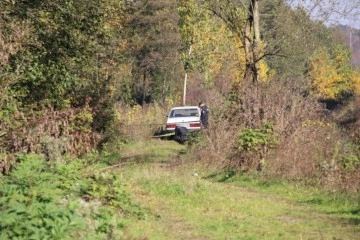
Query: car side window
[172,113]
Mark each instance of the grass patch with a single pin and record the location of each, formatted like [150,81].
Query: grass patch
[151,198]
[223,211]
[152,151]
[191,203]
[337,204]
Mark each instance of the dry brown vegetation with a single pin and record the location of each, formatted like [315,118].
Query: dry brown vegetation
[53,134]
[300,143]
[58,133]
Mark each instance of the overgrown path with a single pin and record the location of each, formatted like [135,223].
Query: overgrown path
[184,204]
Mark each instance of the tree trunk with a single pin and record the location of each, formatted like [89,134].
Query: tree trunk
[144,90]
[251,43]
[248,51]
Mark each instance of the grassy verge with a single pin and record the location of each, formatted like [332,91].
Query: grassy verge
[189,204]
[154,190]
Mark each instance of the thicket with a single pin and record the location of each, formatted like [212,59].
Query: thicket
[300,123]
[280,131]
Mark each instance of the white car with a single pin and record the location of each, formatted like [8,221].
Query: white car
[188,116]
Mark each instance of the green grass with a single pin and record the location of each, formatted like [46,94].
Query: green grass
[226,211]
[232,207]
[152,151]
[162,193]
[341,205]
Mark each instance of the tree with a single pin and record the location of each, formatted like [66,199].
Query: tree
[187,27]
[243,19]
[64,37]
[289,44]
[154,44]
[331,75]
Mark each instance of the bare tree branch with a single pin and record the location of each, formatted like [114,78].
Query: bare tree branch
[331,11]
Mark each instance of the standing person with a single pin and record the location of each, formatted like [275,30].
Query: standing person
[204,115]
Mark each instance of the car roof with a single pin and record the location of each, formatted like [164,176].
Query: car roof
[184,107]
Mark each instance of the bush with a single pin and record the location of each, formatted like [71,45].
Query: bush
[302,143]
[52,133]
[253,145]
[33,205]
[54,200]
[257,139]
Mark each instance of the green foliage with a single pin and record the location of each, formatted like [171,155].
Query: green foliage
[51,200]
[350,159]
[106,222]
[54,64]
[153,44]
[33,206]
[208,44]
[256,139]
[189,17]
[195,139]
[82,121]
[351,162]
[107,187]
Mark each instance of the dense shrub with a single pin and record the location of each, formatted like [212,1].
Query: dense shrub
[302,143]
[51,133]
[253,144]
[33,205]
[48,200]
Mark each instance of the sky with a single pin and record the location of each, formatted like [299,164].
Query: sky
[332,12]
[354,23]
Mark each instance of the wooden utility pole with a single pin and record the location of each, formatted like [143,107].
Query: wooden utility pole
[186,67]
[256,24]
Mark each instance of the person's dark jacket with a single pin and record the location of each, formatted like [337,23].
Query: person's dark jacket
[204,116]
[181,134]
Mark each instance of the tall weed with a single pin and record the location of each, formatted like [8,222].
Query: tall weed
[139,123]
[33,205]
[52,133]
[63,200]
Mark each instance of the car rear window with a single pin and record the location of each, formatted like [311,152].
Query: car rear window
[186,112]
